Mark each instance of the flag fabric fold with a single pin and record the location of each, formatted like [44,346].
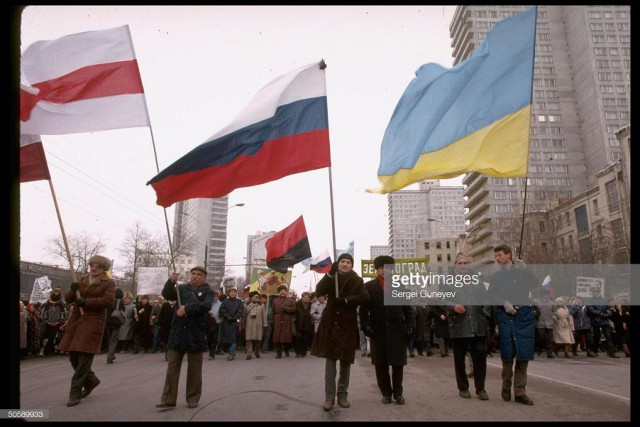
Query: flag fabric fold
[321,263]
[33,163]
[473,117]
[288,247]
[82,82]
[349,250]
[283,131]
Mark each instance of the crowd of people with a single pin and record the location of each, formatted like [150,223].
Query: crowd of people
[344,315]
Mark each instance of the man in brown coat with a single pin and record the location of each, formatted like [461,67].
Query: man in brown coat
[283,308]
[337,337]
[83,332]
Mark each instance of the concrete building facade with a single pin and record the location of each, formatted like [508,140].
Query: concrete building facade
[581,97]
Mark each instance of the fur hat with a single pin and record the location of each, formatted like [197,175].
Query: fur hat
[102,261]
[559,301]
[462,256]
[383,260]
[254,293]
[281,287]
[345,256]
[198,268]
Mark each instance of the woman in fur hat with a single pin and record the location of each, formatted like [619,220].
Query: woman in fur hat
[92,295]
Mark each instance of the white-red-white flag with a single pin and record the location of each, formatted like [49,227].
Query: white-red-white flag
[82,82]
[33,163]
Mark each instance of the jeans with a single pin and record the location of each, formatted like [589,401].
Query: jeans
[156,338]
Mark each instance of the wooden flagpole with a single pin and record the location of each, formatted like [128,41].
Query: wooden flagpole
[66,243]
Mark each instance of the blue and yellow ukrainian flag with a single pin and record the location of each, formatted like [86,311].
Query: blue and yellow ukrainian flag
[474,117]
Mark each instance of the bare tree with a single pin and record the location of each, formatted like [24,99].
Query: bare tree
[82,247]
[141,249]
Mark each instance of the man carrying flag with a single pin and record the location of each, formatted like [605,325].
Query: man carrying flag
[338,337]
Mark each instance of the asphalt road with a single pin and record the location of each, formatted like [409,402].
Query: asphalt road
[290,389]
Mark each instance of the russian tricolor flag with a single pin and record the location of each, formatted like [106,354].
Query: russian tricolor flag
[283,131]
[321,263]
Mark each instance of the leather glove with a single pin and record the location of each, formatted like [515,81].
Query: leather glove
[75,286]
[368,331]
[509,308]
[119,294]
[80,302]
[340,302]
[410,332]
[334,269]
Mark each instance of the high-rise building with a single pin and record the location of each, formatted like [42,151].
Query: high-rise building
[581,97]
[430,211]
[378,250]
[200,236]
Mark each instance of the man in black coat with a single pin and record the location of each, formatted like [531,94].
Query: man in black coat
[188,335]
[388,327]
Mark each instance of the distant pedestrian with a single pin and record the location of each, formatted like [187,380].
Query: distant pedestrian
[113,326]
[231,312]
[283,309]
[254,324]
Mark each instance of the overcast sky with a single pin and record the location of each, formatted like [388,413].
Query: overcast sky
[200,65]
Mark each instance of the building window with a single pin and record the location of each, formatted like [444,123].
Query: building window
[585,250]
[612,196]
[426,245]
[448,245]
[448,257]
[439,246]
[582,222]
[567,218]
[439,257]
[596,208]
[618,233]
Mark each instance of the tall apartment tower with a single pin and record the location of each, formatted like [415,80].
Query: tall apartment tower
[200,236]
[430,211]
[581,96]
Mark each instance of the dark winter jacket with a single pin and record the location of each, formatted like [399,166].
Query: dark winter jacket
[189,332]
[338,337]
[390,324]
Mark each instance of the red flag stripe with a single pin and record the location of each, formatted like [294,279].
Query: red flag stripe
[33,163]
[95,81]
[283,240]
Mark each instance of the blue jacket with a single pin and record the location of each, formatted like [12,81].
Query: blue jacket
[517,332]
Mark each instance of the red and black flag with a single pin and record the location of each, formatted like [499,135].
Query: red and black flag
[288,247]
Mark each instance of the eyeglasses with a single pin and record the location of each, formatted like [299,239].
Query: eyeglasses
[93,264]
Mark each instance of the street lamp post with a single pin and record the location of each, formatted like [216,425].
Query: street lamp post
[466,236]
